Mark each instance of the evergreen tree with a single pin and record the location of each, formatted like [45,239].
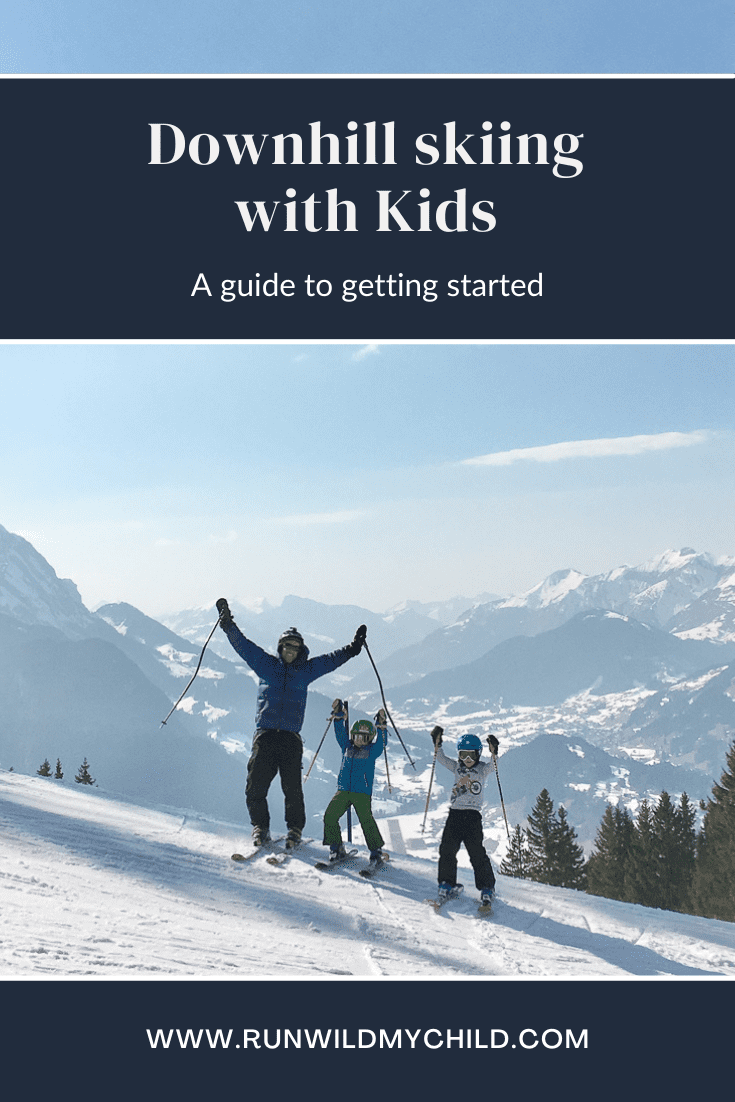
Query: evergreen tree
[609,860]
[45,770]
[661,865]
[686,854]
[515,861]
[83,776]
[637,878]
[714,877]
[665,855]
[569,864]
[58,774]
[540,838]
[553,854]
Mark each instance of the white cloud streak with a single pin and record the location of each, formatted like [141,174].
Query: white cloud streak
[301,520]
[590,449]
[366,350]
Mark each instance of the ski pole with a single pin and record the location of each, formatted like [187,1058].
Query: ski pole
[502,804]
[349,809]
[431,781]
[306,776]
[196,671]
[390,717]
[387,771]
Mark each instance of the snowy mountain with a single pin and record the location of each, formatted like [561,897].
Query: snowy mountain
[31,591]
[599,652]
[658,592]
[94,886]
[584,778]
[324,627]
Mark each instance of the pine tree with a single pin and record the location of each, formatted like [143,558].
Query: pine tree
[45,770]
[661,865]
[637,877]
[516,859]
[540,838]
[569,862]
[687,851]
[714,876]
[608,862]
[665,855]
[83,776]
[58,774]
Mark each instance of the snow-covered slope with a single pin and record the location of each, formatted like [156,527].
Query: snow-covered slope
[93,886]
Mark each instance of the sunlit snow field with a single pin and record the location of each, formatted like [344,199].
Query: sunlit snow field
[93,886]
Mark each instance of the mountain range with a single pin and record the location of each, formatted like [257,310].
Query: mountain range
[629,676]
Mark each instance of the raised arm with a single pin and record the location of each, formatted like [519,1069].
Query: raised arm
[325,663]
[258,659]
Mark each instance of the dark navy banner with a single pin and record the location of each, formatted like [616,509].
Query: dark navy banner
[431,1039]
[533,208]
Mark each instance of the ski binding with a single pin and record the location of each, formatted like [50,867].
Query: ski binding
[281,858]
[437,904]
[266,847]
[374,867]
[327,866]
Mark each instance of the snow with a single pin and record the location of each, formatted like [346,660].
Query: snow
[93,886]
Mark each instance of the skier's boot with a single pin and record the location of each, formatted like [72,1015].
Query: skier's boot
[446,891]
[486,896]
[376,856]
[337,853]
[261,836]
[293,838]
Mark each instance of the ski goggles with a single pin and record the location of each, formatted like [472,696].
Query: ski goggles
[468,755]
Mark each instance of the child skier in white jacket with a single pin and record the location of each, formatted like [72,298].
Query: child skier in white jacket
[464,822]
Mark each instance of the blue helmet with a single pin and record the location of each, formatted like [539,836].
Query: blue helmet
[470,742]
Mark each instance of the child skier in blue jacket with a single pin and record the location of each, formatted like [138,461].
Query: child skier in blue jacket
[360,751]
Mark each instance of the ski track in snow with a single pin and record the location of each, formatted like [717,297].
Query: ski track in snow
[92,886]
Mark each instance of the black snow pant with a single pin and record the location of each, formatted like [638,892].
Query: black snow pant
[275,752]
[464,826]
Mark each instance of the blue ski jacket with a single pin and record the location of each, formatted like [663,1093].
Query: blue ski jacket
[357,771]
[283,686]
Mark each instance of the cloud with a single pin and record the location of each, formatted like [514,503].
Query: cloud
[590,449]
[301,520]
[366,350]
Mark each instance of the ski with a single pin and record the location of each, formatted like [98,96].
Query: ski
[266,847]
[437,904]
[485,909]
[327,866]
[374,867]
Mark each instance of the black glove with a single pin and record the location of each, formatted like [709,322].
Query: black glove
[360,637]
[493,744]
[225,616]
[381,719]
[338,710]
[436,736]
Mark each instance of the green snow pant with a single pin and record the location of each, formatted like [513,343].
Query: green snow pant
[338,805]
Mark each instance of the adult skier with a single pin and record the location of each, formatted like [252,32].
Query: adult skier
[360,751]
[464,821]
[277,745]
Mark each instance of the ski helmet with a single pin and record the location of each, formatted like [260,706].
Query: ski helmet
[470,742]
[362,733]
[291,635]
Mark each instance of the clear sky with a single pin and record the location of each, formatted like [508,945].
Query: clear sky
[167,476]
[380,36]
